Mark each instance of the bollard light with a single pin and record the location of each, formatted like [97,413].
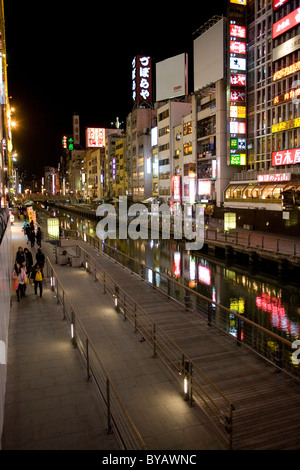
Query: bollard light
[52,281]
[185,386]
[72,331]
[115,296]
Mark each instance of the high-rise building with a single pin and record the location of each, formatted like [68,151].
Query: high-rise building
[6,163]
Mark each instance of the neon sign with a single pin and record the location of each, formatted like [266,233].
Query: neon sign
[142,79]
[286,157]
[238,111]
[95,137]
[237,95]
[238,79]
[286,96]
[286,125]
[237,47]
[278,3]
[237,31]
[286,71]
[274,178]
[286,23]
[176,187]
[237,127]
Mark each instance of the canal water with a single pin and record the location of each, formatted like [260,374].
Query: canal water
[269,301]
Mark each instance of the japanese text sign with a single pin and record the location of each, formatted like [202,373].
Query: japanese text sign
[142,79]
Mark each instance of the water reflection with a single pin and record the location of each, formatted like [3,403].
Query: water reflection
[259,298]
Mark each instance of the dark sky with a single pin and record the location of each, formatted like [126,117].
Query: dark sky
[67,57]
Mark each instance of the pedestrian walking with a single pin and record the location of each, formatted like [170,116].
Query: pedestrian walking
[29,260]
[38,237]
[20,256]
[32,237]
[24,227]
[37,277]
[20,279]
[40,258]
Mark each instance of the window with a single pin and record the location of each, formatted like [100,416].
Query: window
[187,128]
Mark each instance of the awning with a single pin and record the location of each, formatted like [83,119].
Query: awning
[146,201]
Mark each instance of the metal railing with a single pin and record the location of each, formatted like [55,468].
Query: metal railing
[268,344]
[118,418]
[195,385]
[263,242]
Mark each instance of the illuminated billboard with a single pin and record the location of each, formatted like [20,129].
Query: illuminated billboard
[286,71]
[286,157]
[238,112]
[237,47]
[176,187]
[237,63]
[237,31]
[239,2]
[95,137]
[286,23]
[142,79]
[238,79]
[278,3]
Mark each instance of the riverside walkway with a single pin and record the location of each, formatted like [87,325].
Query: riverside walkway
[49,405]
[266,404]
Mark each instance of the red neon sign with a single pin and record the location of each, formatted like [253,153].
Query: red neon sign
[176,187]
[286,157]
[237,47]
[286,23]
[278,3]
[236,95]
[238,79]
[237,31]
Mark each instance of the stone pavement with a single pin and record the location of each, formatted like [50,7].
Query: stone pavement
[50,406]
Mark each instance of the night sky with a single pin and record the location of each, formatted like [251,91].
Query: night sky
[65,59]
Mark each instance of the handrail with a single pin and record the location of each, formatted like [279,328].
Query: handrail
[117,414]
[172,355]
[277,356]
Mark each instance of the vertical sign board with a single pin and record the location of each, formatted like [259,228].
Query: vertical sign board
[76,130]
[53,229]
[237,105]
[142,79]
[176,188]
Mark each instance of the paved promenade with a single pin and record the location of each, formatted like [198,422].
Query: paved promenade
[50,406]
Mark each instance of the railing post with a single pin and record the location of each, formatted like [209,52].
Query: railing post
[116,298]
[135,319]
[187,299]
[108,407]
[279,356]
[239,332]
[190,384]
[124,308]
[88,375]
[73,329]
[154,340]
[169,288]
[209,314]
[64,306]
